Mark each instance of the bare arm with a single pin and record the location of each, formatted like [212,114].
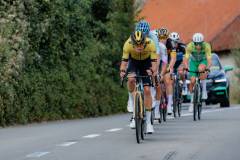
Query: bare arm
[173,60]
[123,66]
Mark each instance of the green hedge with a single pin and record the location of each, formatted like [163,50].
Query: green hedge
[63,61]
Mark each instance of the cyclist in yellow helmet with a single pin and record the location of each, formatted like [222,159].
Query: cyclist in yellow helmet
[139,54]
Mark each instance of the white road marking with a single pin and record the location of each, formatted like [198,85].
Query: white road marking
[91,136]
[113,130]
[67,144]
[37,154]
[211,110]
[204,111]
[186,114]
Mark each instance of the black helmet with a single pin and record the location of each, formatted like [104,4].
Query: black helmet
[138,38]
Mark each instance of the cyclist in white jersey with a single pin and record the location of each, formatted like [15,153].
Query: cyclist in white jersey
[163,62]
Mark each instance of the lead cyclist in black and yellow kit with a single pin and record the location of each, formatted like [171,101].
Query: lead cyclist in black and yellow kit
[139,54]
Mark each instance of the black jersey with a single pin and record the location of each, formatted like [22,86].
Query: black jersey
[179,48]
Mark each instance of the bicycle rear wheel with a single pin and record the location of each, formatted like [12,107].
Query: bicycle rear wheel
[199,111]
[163,109]
[160,112]
[152,115]
[179,109]
[175,100]
[165,114]
[179,100]
[200,104]
[138,117]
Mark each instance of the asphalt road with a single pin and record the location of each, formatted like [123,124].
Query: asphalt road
[215,137]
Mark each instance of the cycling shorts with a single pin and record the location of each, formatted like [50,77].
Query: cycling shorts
[140,66]
[194,66]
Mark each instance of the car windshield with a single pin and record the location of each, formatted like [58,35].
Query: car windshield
[215,63]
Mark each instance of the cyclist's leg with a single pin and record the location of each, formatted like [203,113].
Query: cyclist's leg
[157,101]
[193,67]
[153,94]
[169,89]
[158,94]
[131,87]
[144,70]
[201,68]
[132,66]
[183,78]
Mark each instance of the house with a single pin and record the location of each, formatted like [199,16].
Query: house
[218,20]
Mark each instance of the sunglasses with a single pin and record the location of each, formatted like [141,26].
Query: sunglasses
[141,45]
[198,43]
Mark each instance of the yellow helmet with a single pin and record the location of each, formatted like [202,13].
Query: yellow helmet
[138,38]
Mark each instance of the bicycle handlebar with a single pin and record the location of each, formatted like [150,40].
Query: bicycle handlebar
[206,70]
[122,79]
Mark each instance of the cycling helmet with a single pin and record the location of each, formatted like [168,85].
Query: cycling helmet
[198,37]
[138,38]
[143,26]
[163,33]
[174,36]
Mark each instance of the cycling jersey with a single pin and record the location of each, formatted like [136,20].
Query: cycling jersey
[153,36]
[180,51]
[163,51]
[171,49]
[198,56]
[175,50]
[148,52]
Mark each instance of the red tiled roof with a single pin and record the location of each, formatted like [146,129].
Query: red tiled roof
[229,37]
[210,17]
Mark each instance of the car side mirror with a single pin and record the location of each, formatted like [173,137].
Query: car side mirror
[228,68]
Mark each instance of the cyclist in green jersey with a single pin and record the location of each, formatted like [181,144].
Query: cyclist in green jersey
[198,57]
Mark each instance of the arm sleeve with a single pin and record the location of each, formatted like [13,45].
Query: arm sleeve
[188,51]
[155,40]
[163,52]
[208,51]
[125,55]
[153,54]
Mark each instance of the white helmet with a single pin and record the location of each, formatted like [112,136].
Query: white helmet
[174,36]
[198,37]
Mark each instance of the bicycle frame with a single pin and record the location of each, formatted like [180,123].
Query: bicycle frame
[163,102]
[197,96]
[139,90]
[176,94]
[139,108]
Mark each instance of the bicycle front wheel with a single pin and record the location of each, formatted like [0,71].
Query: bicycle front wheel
[195,102]
[138,117]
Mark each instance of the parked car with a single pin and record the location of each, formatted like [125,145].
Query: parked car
[218,83]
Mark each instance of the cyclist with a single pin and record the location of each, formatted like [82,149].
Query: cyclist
[162,35]
[144,26]
[174,46]
[198,56]
[139,54]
